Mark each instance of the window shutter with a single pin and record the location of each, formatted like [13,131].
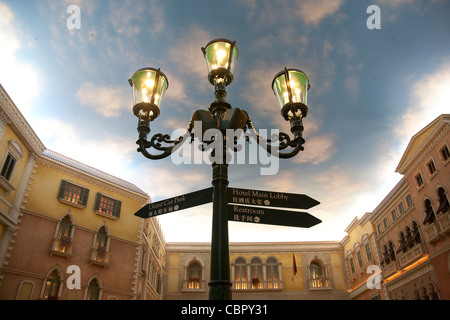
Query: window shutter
[98,197]
[62,189]
[117,206]
[84,196]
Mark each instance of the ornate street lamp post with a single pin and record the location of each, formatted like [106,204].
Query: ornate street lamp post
[290,86]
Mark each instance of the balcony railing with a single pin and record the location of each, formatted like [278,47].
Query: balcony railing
[438,229]
[258,285]
[389,269]
[319,283]
[99,256]
[193,285]
[62,247]
[413,254]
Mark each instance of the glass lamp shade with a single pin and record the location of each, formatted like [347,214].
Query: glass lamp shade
[291,86]
[220,55]
[149,86]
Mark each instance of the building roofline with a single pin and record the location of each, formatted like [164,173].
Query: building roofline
[55,156]
[19,124]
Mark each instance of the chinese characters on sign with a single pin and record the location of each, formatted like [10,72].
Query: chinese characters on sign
[271,216]
[244,205]
[176,203]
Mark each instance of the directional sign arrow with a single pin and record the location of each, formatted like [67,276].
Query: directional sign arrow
[271,216]
[176,203]
[270,198]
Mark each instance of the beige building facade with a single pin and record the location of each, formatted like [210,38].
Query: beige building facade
[260,271]
[152,261]
[362,261]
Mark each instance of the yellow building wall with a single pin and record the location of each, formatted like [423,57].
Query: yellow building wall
[43,199]
[290,282]
[173,276]
[356,235]
[338,272]
[18,169]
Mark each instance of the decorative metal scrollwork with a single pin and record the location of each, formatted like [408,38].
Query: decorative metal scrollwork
[277,142]
[283,139]
[156,142]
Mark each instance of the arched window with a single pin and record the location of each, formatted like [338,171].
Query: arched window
[425,294]
[386,255]
[391,251]
[444,205]
[100,251]
[154,273]
[317,275]
[240,274]
[429,213]
[409,238]
[52,286]
[93,290]
[102,238]
[256,273]
[194,275]
[416,295]
[415,233]
[63,241]
[403,245]
[433,293]
[272,274]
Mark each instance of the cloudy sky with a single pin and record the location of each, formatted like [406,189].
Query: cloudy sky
[372,89]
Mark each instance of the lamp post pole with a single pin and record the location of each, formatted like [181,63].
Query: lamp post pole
[220,284]
[290,86]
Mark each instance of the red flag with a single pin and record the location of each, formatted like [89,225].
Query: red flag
[294,264]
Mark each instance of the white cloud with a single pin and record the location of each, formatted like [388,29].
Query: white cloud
[126,17]
[108,101]
[429,97]
[259,94]
[344,187]
[395,3]
[187,55]
[163,180]
[21,80]
[112,155]
[318,149]
[314,11]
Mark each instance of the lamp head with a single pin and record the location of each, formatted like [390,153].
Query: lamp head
[220,55]
[149,86]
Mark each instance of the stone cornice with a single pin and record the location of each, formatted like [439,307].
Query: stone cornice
[19,124]
[391,199]
[91,179]
[258,247]
[406,166]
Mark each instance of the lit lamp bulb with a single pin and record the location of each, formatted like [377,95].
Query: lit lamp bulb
[286,97]
[149,83]
[144,95]
[220,55]
[297,96]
